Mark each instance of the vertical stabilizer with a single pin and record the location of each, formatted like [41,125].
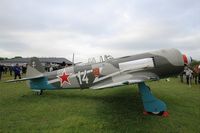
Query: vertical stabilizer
[34,68]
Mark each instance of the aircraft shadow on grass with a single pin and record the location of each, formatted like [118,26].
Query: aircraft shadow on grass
[118,105]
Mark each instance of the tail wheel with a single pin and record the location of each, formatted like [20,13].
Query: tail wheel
[39,92]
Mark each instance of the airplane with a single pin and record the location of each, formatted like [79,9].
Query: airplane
[134,69]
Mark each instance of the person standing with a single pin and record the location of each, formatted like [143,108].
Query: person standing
[5,69]
[10,69]
[188,74]
[17,71]
[199,74]
[24,68]
[1,71]
[196,71]
[50,69]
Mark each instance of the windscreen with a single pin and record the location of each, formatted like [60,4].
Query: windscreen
[137,64]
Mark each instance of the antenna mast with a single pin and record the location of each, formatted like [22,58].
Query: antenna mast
[73,59]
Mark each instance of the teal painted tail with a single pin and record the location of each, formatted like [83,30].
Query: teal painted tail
[35,72]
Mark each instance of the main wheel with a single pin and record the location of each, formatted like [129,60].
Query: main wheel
[157,113]
[40,92]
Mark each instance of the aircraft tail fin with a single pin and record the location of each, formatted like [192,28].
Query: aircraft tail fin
[34,68]
[36,64]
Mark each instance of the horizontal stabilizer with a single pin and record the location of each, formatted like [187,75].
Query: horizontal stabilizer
[27,78]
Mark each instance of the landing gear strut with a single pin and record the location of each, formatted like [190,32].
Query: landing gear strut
[152,105]
[39,92]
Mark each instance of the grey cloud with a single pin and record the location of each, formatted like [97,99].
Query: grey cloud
[106,23]
[13,46]
[66,15]
[11,43]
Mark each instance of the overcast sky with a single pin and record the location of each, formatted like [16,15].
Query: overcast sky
[89,28]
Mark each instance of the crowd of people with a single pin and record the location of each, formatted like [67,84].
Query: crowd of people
[14,70]
[191,75]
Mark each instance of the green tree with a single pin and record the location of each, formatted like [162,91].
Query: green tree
[17,57]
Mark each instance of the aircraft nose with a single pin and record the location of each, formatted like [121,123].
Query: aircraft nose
[187,59]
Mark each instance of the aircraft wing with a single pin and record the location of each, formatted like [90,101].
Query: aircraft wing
[124,78]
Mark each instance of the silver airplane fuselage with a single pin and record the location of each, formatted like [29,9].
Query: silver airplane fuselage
[115,72]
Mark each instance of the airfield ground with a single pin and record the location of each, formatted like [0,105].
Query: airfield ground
[109,110]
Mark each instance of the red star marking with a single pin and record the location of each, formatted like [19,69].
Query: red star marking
[64,78]
[96,72]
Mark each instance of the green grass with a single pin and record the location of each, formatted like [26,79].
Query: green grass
[109,110]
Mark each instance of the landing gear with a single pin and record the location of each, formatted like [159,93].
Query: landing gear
[162,113]
[152,105]
[38,92]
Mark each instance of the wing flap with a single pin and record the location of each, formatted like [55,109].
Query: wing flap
[128,82]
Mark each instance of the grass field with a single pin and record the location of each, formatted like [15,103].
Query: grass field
[117,110]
